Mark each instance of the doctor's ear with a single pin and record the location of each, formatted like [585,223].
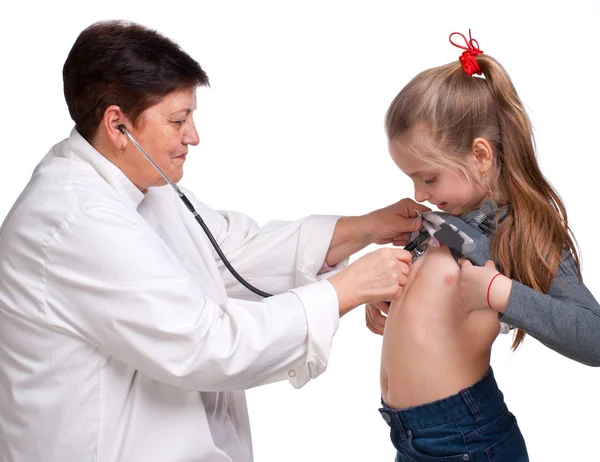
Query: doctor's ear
[111,124]
[483,155]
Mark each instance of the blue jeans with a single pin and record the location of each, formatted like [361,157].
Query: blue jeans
[473,425]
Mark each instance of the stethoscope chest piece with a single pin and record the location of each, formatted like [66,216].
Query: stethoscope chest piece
[418,251]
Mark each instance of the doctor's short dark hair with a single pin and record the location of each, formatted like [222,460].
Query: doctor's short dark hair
[125,64]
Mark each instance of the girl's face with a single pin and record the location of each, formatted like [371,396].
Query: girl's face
[449,191]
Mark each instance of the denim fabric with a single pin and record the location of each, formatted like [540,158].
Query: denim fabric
[473,425]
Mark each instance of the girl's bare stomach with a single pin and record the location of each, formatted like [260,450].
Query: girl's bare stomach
[432,348]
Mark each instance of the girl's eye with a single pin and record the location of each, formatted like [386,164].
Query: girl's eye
[430,180]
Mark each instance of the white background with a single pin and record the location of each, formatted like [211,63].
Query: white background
[293,125]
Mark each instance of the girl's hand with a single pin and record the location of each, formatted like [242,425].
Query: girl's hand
[483,287]
[376,315]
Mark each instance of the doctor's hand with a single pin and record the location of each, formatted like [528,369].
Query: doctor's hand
[394,223]
[373,278]
[483,287]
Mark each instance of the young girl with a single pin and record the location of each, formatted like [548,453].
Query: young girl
[467,144]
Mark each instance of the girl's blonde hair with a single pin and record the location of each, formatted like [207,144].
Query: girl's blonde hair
[455,108]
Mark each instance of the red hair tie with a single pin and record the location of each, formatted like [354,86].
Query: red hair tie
[467,59]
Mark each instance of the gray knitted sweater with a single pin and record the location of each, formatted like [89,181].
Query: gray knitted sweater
[567,319]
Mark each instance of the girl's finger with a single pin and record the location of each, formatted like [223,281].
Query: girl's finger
[464,263]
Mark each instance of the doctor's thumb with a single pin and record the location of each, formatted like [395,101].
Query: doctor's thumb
[415,224]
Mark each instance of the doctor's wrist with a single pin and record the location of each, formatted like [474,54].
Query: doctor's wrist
[366,226]
[347,299]
[363,229]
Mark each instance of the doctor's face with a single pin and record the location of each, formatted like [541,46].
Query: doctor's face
[164,131]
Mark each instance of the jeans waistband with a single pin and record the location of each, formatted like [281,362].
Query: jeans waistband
[468,400]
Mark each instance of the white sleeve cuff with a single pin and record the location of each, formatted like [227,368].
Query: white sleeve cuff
[321,307]
[314,240]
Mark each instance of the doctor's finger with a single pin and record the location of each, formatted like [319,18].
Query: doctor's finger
[404,268]
[402,255]
[401,239]
[411,207]
[402,280]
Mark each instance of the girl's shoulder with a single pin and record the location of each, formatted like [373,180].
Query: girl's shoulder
[568,265]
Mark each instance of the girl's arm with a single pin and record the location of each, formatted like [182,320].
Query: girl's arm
[566,320]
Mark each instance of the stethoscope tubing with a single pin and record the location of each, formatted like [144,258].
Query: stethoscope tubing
[198,218]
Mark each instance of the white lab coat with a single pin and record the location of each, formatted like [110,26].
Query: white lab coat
[121,336]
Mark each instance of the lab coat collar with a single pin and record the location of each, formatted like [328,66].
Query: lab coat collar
[78,148]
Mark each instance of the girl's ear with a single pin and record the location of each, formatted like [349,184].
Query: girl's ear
[483,154]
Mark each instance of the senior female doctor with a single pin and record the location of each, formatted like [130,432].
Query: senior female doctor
[122,336]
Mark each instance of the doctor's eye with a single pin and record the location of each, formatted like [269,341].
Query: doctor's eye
[179,123]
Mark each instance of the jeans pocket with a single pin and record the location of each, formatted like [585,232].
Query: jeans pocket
[510,448]
[488,432]
[442,443]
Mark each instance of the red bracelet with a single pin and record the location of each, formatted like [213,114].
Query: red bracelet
[489,287]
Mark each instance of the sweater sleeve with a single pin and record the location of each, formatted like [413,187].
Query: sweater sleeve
[567,319]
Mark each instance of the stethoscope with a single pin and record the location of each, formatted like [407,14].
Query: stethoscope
[199,219]
[417,246]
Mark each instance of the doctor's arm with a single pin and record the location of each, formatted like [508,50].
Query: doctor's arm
[390,225]
[282,255]
[110,281]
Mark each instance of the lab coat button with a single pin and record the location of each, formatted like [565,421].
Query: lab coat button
[292,373]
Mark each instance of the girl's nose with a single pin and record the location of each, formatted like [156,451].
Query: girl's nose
[421,195]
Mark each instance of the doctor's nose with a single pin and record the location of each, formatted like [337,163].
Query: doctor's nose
[191,135]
